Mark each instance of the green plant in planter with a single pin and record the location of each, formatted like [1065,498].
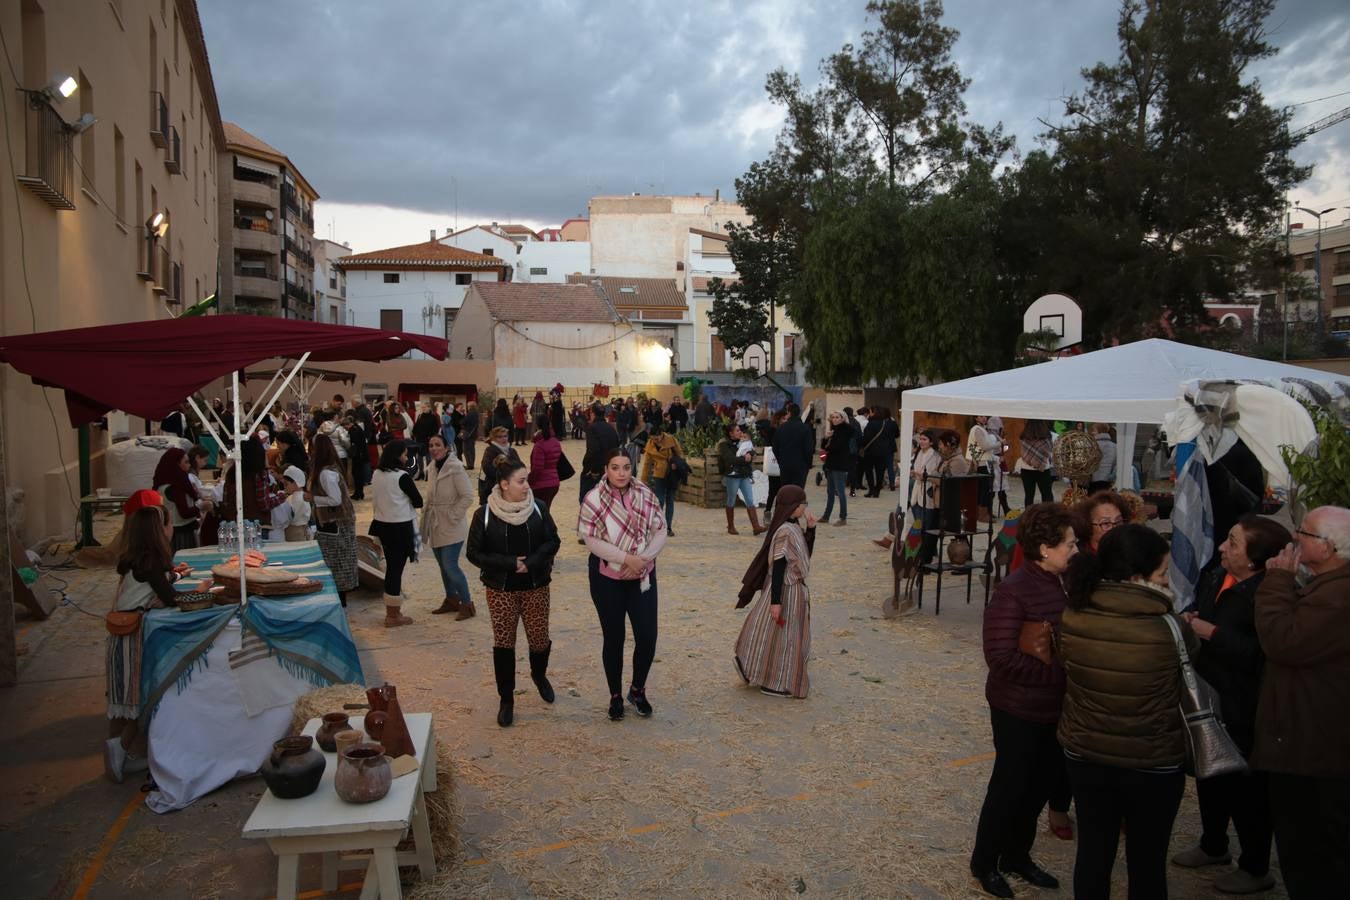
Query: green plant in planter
[1321,474]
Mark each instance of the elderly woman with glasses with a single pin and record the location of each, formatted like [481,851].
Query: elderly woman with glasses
[1097,515]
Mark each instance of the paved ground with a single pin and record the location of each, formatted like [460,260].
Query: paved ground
[870,787]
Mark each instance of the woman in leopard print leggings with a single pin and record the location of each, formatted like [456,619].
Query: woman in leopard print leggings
[512,541]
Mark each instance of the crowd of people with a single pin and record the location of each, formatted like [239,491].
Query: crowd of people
[1082,639]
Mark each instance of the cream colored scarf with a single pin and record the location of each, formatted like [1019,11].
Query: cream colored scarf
[510,512]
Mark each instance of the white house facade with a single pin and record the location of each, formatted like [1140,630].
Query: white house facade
[485,240]
[642,236]
[330,282]
[551,262]
[418,288]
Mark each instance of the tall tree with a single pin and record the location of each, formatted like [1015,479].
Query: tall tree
[1171,170]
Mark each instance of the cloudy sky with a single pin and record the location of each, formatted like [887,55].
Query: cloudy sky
[408,116]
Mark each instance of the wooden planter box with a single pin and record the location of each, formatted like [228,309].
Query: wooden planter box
[705,488]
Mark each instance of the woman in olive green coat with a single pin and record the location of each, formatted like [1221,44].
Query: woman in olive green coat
[1121,728]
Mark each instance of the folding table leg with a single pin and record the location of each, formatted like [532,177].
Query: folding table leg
[386,859]
[288,867]
[330,871]
[370,886]
[426,857]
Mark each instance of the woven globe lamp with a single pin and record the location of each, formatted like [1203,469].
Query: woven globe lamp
[1077,455]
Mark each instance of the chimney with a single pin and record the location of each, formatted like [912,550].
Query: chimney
[717,195]
[433,235]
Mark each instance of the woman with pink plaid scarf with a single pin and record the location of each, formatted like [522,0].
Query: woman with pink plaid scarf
[622,525]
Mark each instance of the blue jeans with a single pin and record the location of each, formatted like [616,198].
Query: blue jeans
[836,485]
[665,495]
[452,576]
[742,486]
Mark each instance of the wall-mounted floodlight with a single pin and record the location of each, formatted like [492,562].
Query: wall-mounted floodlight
[61,88]
[82,124]
[157,225]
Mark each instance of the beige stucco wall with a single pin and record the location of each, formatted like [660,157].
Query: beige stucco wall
[81,264]
[646,236]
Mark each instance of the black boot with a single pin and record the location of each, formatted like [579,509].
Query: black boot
[539,672]
[504,664]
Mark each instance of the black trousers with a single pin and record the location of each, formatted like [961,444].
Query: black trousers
[613,601]
[398,540]
[586,482]
[1245,799]
[1147,803]
[470,451]
[1033,479]
[874,470]
[1026,763]
[775,483]
[1312,834]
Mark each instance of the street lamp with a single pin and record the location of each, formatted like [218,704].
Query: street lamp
[1317,259]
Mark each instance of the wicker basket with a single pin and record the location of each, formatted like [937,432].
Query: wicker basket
[1077,455]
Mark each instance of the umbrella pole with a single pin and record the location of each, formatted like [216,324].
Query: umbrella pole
[237,455]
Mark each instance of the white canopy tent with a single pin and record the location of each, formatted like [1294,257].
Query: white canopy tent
[1125,385]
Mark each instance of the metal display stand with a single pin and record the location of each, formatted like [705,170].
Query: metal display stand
[958,502]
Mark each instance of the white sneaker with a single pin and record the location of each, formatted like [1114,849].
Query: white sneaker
[114,758]
[135,765]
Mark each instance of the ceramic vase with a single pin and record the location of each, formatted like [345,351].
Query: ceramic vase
[363,774]
[333,722]
[294,768]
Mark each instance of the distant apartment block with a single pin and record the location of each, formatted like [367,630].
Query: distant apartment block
[266,231]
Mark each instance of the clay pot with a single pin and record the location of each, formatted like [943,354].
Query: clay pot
[958,551]
[363,774]
[374,722]
[333,722]
[294,769]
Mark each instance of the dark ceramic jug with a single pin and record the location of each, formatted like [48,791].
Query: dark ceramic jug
[332,723]
[363,774]
[294,769]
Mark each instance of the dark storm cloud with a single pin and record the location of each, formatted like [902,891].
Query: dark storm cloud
[533,107]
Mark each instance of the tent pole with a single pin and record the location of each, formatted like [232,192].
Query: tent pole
[237,455]
[902,476]
[257,416]
[1126,433]
[205,421]
[212,411]
[258,411]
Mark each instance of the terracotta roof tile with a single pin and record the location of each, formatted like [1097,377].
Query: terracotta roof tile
[428,255]
[636,293]
[515,302]
[518,229]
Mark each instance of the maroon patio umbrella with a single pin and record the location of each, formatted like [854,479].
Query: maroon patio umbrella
[148,368]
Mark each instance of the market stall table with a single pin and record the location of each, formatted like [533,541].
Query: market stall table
[324,823]
[219,684]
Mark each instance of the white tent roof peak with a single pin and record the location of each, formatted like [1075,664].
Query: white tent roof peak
[1136,382]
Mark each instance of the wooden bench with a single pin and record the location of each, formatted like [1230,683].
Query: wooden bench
[324,823]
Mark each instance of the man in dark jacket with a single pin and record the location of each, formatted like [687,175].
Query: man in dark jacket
[793,447]
[873,452]
[678,414]
[1303,714]
[600,439]
[469,435]
[358,455]
[703,413]
[427,425]
[625,419]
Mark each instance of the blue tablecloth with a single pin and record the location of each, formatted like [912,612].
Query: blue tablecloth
[308,635]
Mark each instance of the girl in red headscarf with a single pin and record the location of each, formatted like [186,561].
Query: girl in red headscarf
[180,497]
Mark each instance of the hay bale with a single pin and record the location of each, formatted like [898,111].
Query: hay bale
[325,700]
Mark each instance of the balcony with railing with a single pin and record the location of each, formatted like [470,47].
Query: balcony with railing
[299,292]
[49,159]
[173,160]
[159,120]
[256,281]
[288,199]
[257,192]
[300,253]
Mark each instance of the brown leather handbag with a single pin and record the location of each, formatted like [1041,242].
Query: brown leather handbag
[123,622]
[1035,640]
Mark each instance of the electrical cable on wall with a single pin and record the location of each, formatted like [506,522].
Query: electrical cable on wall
[632,331]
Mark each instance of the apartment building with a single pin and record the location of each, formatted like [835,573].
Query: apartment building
[109,207]
[330,282]
[266,231]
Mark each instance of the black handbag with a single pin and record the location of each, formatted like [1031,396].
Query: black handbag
[677,470]
[565,468]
